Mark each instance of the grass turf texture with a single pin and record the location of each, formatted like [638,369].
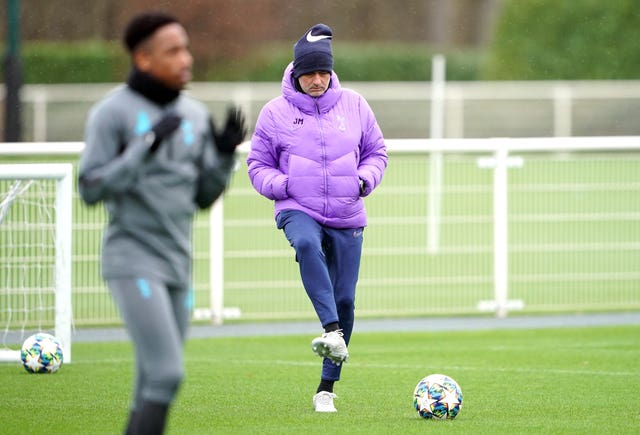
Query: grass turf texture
[562,381]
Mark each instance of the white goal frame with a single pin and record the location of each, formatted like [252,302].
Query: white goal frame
[62,173]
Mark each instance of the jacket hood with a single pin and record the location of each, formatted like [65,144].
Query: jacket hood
[307,103]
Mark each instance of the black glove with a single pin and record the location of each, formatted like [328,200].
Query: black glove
[162,129]
[363,186]
[233,134]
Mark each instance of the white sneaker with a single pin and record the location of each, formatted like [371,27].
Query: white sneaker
[323,402]
[331,345]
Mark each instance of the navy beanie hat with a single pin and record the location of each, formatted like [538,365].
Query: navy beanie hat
[312,52]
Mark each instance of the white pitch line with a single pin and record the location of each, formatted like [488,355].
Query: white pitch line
[422,367]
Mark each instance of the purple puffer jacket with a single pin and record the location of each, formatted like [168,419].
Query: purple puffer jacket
[309,154]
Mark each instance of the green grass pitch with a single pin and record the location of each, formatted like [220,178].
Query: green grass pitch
[538,381]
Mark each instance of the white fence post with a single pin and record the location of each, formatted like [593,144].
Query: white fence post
[500,164]
[501,230]
[216,261]
[40,114]
[435,160]
[454,119]
[562,111]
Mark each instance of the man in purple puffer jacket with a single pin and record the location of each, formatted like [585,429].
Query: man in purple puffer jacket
[317,151]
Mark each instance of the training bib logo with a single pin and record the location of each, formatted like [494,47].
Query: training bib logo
[187,132]
[143,123]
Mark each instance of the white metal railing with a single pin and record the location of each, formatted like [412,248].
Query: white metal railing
[566,101]
[495,154]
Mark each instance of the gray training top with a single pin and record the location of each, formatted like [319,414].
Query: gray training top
[150,198]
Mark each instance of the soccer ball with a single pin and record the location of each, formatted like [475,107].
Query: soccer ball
[437,396]
[41,353]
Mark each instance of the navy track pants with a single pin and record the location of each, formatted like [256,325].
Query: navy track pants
[329,260]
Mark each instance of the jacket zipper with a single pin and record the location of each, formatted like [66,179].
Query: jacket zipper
[324,159]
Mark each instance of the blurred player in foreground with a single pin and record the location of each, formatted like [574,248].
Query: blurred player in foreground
[317,152]
[154,157]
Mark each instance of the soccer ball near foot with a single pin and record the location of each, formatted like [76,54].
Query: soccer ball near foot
[41,353]
[437,396]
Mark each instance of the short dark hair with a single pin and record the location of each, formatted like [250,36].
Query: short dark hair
[143,26]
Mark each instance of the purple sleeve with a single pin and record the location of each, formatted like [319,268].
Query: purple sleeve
[262,162]
[373,151]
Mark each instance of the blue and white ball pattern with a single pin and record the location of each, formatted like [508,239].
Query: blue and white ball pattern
[437,397]
[41,353]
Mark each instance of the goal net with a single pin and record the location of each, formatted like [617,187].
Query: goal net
[35,254]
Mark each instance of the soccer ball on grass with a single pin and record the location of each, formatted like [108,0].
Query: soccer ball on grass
[41,353]
[437,396]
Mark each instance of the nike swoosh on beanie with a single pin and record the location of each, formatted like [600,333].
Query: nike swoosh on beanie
[313,51]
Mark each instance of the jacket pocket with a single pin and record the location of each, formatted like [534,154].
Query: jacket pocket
[306,182]
[343,177]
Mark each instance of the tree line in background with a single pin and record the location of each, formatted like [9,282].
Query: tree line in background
[230,28]
[374,39]
[566,40]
